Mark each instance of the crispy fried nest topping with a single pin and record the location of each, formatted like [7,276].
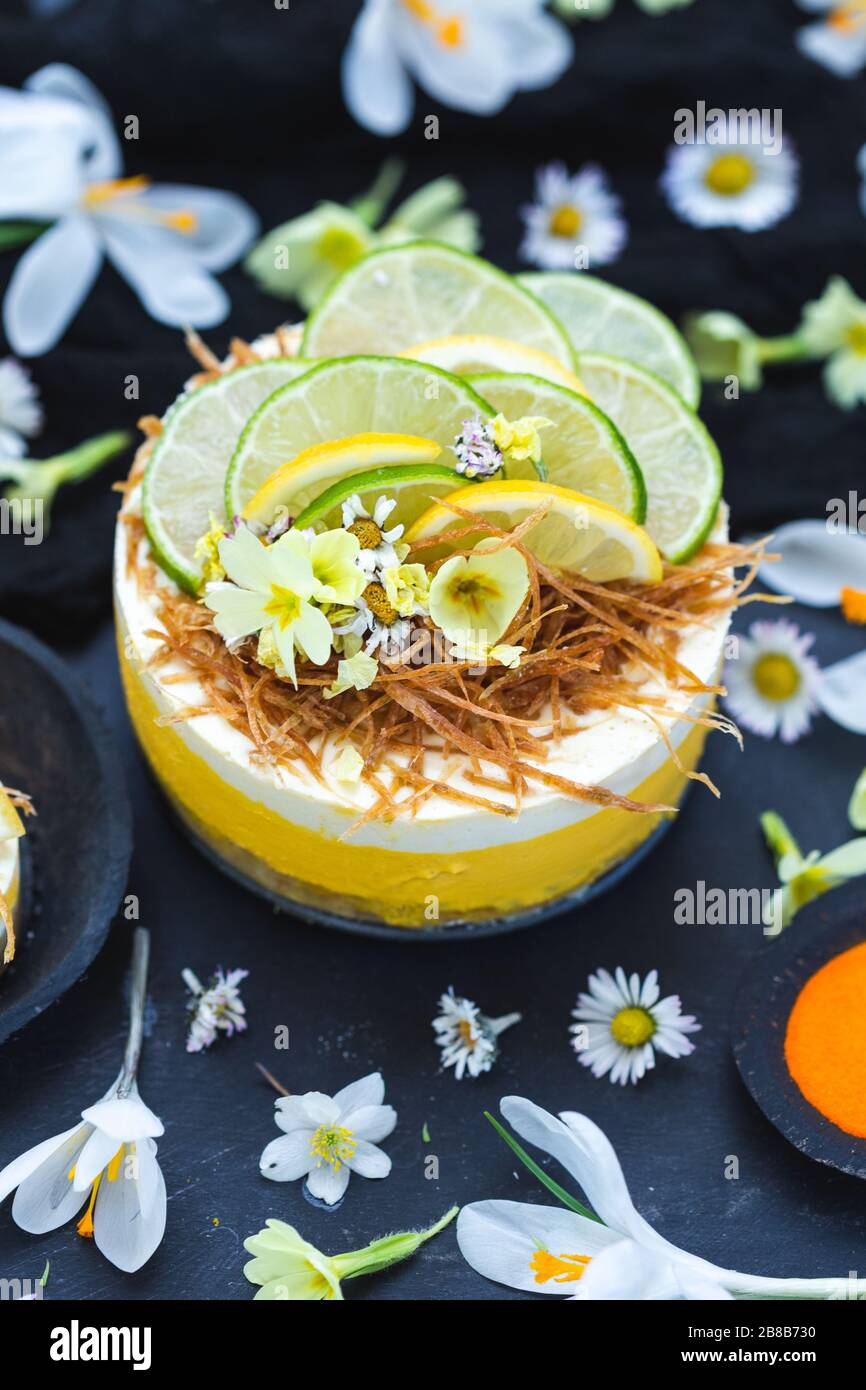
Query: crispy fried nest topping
[589,648]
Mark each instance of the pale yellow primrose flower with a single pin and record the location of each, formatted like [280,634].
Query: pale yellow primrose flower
[723,345]
[271,589]
[289,1269]
[805,877]
[857,804]
[407,588]
[520,439]
[834,327]
[334,558]
[474,598]
[353,673]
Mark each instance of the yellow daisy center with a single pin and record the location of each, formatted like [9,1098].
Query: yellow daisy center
[729,174]
[562,1269]
[632,1027]
[379,604]
[565,221]
[448,29]
[776,677]
[856,338]
[283,605]
[333,1144]
[113,190]
[369,534]
[464,1028]
[340,247]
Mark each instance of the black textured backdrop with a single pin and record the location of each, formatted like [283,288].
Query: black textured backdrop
[236,94]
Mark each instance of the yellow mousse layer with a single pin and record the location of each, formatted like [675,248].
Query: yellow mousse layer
[407,888]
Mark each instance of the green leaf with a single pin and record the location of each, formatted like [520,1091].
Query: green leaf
[425,1133]
[552,1186]
[14,234]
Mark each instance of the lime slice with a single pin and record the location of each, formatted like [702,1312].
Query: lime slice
[185,476]
[343,398]
[295,486]
[413,487]
[677,456]
[578,534]
[600,317]
[467,354]
[11,824]
[420,290]
[584,451]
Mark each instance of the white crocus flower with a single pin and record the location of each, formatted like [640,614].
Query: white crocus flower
[20,412]
[541,1249]
[838,40]
[326,1138]
[473,55]
[60,162]
[107,1162]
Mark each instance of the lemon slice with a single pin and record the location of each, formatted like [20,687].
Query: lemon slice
[578,534]
[584,451]
[343,398]
[465,354]
[419,290]
[298,483]
[413,488]
[599,317]
[11,824]
[185,477]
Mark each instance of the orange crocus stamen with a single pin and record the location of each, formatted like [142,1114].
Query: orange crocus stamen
[85,1226]
[562,1269]
[848,18]
[126,191]
[854,605]
[449,29]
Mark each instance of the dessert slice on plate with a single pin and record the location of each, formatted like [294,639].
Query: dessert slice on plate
[408,655]
[12,831]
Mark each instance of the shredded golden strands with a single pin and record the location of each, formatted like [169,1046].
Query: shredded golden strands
[589,647]
[6,919]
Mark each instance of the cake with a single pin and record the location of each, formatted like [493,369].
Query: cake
[338,740]
[11,833]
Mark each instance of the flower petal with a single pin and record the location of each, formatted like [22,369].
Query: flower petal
[322,1109]
[475,75]
[122,1231]
[840,692]
[225,225]
[328,1185]
[500,1239]
[290,1114]
[376,87]
[124,1118]
[289,1157]
[42,147]
[239,612]
[371,1122]
[246,560]
[539,48]
[368,1161]
[49,283]
[369,1090]
[816,563]
[21,1168]
[46,1198]
[172,286]
[628,1271]
[314,633]
[96,1155]
[67,84]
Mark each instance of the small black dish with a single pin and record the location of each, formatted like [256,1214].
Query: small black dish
[54,746]
[832,923]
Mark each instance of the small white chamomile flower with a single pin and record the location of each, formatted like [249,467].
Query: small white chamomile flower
[467,1037]
[575,221]
[740,183]
[621,1023]
[773,683]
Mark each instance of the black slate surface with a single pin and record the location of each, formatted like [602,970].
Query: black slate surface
[246,98]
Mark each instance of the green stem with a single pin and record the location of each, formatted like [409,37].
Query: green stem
[552,1186]
[388,1250]
[38,480]
[787,348]
[371,206]
[14,234]
[779,838]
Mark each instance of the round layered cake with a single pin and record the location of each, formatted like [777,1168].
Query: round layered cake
[11,832]
[276,570]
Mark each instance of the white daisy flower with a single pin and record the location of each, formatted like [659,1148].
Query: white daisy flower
[377,544]
[215,1009]
[467,1037]
[573,214]
[838,41]
[772,686]
[621,1023]
[737,184]
[326,1138]
[20,412]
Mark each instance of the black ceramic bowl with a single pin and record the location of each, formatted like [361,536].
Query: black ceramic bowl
[54,746]
[770,985]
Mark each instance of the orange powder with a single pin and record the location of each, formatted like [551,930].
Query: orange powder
[825,1043]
